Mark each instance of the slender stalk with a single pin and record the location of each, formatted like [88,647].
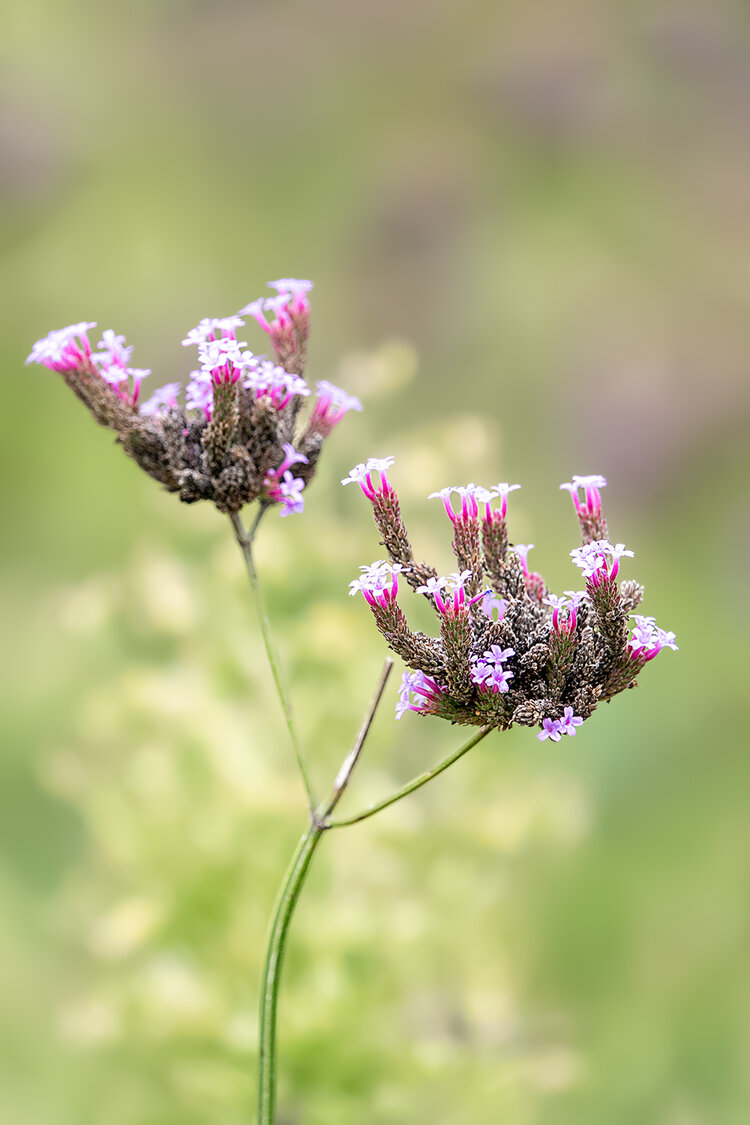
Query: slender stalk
[269,1000]
[245,541]
[284,910]
[415,783]
[350,761]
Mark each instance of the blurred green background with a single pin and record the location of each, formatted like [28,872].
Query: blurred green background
[528,229]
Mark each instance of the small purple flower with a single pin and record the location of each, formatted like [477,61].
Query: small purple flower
[362,475]
[649,639]
[294,291]
[161,400]
[550,729]
[330,407]
[480,670]
[281,484]
[569,721]
[489,672]
[290,494]
[291,457]
[425,691]
[498,679]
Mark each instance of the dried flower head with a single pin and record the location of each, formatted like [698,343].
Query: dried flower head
[238,434]
[507,651]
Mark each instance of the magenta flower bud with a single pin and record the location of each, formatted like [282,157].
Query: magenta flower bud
[589,508]
[294,292]
[522,550]
[500,490]
[470,495]
[557,603]
[330,407]
[255,310]
[593,499]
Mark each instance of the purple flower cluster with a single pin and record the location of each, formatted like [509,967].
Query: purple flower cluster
[488,670]
[417,693]
[230,443]
[566,724]
[507,651]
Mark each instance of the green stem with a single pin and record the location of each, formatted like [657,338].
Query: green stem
[282,916]
[284,909]
[245,542]
[415,783]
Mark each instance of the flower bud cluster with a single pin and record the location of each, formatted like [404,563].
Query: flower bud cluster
[238,433]
[507,650]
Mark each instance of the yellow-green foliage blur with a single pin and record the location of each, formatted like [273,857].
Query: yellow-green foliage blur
[529,229]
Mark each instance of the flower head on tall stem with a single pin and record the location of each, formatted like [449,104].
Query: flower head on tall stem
[512,653]
[226,443]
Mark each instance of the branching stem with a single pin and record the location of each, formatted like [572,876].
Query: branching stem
[411,786]
[284,910]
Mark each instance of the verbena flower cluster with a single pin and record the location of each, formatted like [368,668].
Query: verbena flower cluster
[238,437]
[509,651]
